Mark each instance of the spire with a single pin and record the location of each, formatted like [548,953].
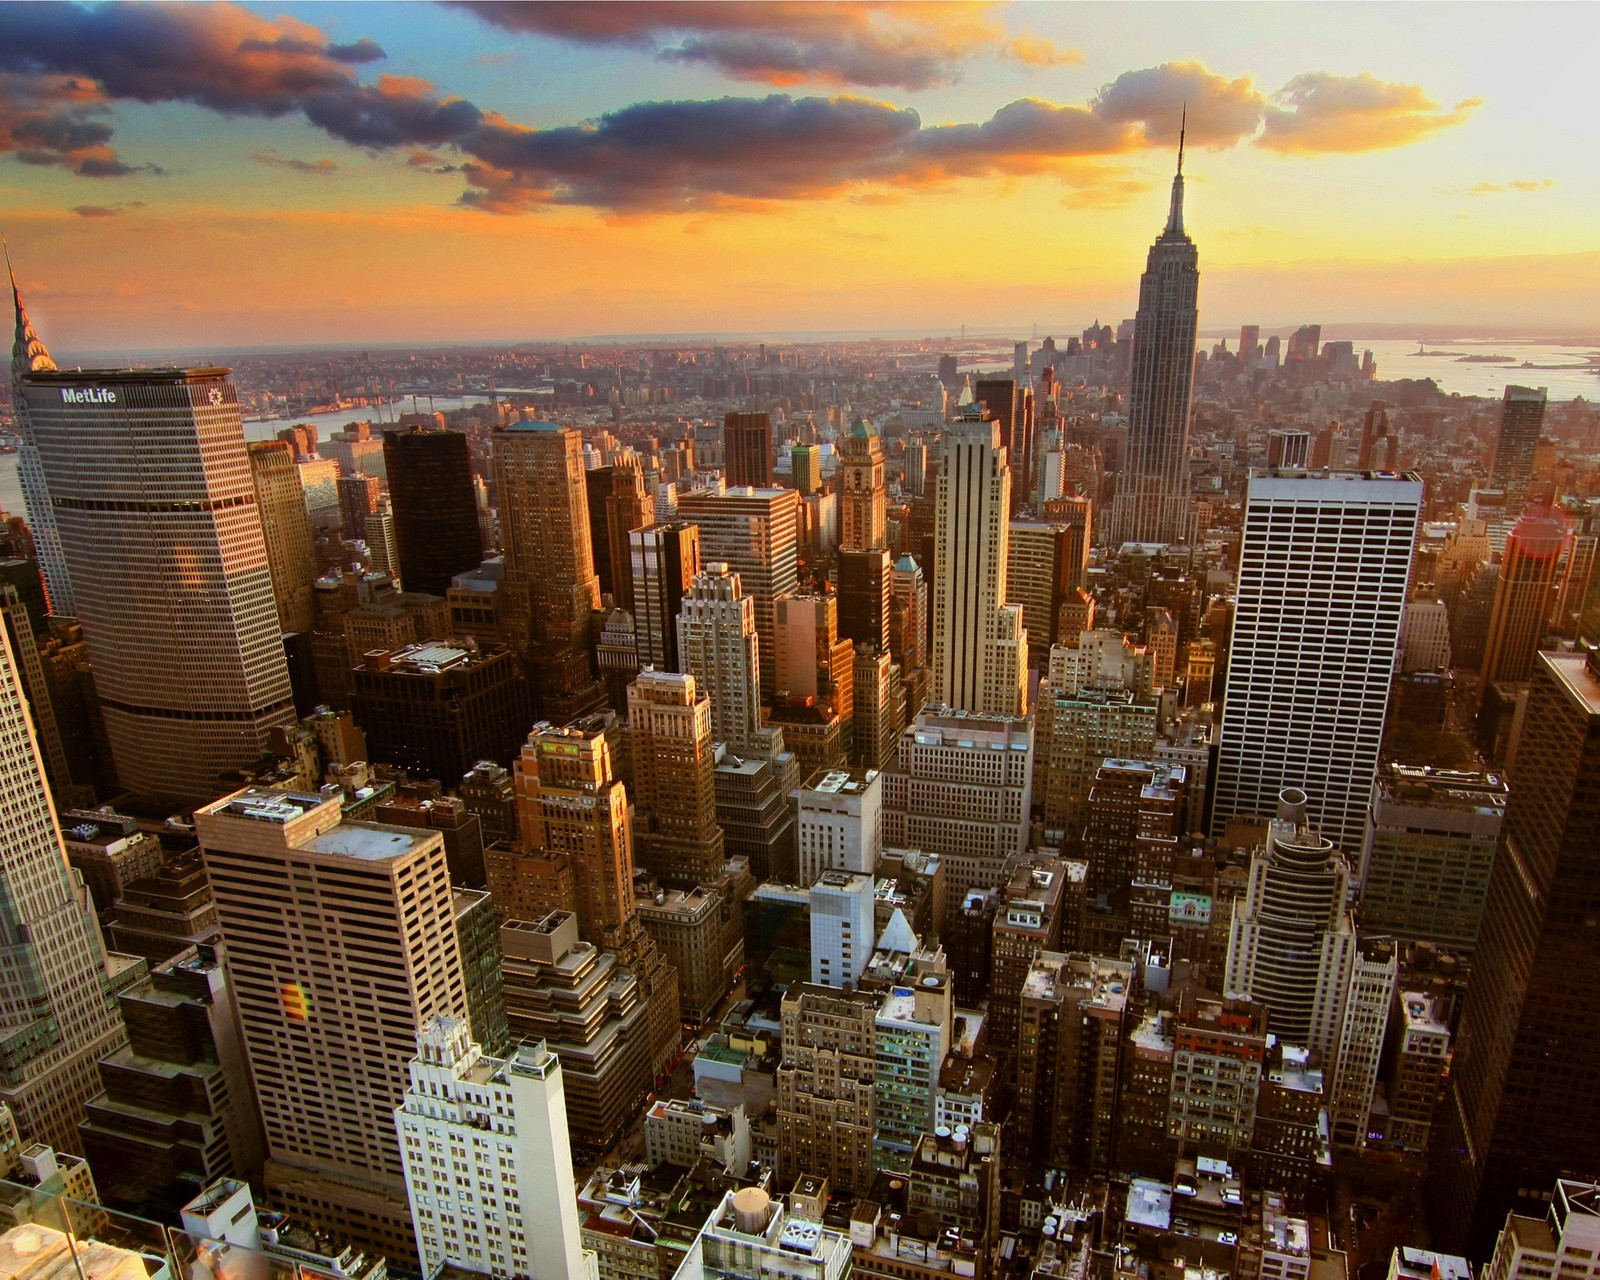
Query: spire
[1175,217]
[28,354]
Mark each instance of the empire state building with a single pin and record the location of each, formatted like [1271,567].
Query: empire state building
[1152,502]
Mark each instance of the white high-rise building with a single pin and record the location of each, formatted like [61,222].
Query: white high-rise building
[489,1161]
[980,647]
[55,1005]
[840,822]
[1324,573]
[717,645]
[842,930]
[1292,943]
[157,512]
[1565,1242]
[1373,973]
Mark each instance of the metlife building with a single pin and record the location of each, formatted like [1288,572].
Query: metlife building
[150,483]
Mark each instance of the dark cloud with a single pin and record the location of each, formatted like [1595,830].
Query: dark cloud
[274,160]
[61,65]
[900,45]
[106,210]
[1222,112]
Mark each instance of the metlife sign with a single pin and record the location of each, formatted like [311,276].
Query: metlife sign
[88,395]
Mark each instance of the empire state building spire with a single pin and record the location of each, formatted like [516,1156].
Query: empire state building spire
[1175,216]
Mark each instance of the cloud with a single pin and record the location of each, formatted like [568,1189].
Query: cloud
[63,65]
[1037,51]
[106,210]
[781,42]
[1320,112]
[1518,184]
[273,159]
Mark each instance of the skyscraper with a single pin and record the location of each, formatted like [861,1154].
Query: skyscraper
[550,585]
[1518,1109]
[360,496]
[666,558]
[1521,420]
[568,788]
[1324,572]
[1523,595]
[675,813]
[342,946]
[286,530]
[435,509]
[1152,502]
[618,504]
[747,445]
[54,1001]
[756,532]
[864,587]
[717,645]
[169,568]
[1012,404]
[28,355]
[1292,943]
[511,1115]
[862,501]
[980,647]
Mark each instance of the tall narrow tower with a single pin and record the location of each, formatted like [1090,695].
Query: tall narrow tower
[980,650]
[28,355]
[862,502]
[169,568]
[54,1003]
[550,583]
[1523,595]
[1152,502]
[1521,421]
[675,818]
[717,645]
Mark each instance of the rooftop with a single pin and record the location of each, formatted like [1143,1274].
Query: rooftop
[367,841]
[266,804]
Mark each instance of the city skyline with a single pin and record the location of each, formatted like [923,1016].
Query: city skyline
[843,160]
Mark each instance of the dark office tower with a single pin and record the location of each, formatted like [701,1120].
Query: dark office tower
[1152,502]
[1012,406]
[169,568]
[28,355]
[949,372]
[864,591]
[1378,451]
[1521,1109]
[1249,345]
[435,509]
[360,496]
[1523,595]
[618,504]
[1521,420]
[286,529]
[665,559]
[747,445]
[435,710]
